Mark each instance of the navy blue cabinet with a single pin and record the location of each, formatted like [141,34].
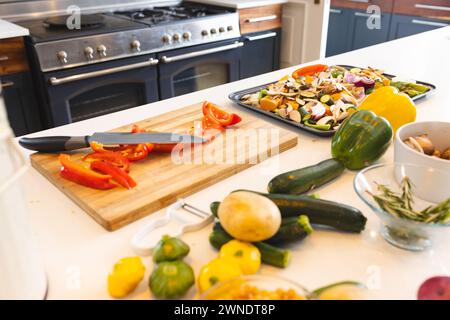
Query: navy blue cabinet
[260,53]
[403,26]
[363,34]
[338,40]
[348,30]
[20,101]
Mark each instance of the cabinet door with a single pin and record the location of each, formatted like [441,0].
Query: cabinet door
[260,53]
[20,101]
[362,35]
[403,26]
[338,31]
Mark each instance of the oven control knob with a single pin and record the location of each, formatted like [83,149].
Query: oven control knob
[136,45]
[187,35]
[213,31]
[221,29]
[101,49]
[62,56]
[230,28]
[204,32]
[176,37]
[166,38]
[89,53]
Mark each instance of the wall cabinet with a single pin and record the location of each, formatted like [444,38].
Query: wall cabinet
[260,53]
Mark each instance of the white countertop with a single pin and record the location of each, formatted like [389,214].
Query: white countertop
[11,30]
[79,253]
[236,4]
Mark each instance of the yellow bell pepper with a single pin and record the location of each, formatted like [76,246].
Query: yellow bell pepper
[125,277]
[217,270]
[245,254]
[395,107]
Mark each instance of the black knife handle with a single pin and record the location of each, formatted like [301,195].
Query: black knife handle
[54,144]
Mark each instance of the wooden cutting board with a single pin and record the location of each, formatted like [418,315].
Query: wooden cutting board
[160,180]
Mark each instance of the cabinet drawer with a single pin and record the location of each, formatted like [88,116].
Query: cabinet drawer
[12,56]
[424,8]
[385,5]
[260,18]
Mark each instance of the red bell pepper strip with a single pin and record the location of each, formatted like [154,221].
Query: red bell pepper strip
[133,152]
[155,147]
[211,128]
[114,158]
[119,175]
[309,70]
[84,176]
[213,112]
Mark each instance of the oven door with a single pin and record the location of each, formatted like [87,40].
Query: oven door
[94,90]
[199,67]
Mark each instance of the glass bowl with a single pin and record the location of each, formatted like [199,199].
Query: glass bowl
[228,290]
[401,232]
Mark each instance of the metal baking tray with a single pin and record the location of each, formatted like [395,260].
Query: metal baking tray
[236,97]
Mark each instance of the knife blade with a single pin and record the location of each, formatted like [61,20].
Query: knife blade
[67,143]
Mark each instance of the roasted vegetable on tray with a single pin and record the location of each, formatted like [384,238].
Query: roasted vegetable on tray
[322,97]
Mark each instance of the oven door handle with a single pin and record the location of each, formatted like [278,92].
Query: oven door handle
[76,77]
[165,59]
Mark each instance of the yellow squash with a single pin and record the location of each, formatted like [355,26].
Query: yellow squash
[245,254]
[125,277]
[217,270]
[395,107]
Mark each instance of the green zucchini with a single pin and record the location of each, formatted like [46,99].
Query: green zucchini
[326,99]
[303,180]
[269,254]
[214,206]
[292,229]
[307,94]
[320,212]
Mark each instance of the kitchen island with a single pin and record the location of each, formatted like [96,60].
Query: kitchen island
[79,253]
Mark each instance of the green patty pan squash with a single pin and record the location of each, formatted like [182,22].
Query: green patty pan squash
[171,279]
[361,140]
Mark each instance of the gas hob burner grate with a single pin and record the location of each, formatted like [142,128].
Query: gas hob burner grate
[90,21]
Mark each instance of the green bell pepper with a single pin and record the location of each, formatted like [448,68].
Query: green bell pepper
[361,140]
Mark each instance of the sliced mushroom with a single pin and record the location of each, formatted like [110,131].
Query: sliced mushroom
[426,144]
[412,143]
[283,113]
[289,108]
[294,115]
[342,116]
[325,120]
[288,94]
[446,154]
[300,101]
[318,111]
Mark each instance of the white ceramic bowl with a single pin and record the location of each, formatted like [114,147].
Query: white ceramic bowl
[439,134]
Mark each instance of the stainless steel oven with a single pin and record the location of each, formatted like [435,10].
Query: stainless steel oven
[186,70]
[93,90]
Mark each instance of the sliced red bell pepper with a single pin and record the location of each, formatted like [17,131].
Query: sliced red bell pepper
[82,175]
[119,175]
[135,152]
[213,112]
[132,152]
[211,128]
[155,147]
[114,158]
[309,70]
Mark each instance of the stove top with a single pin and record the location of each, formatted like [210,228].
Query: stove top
[55,28]
[159,15]
[117,35]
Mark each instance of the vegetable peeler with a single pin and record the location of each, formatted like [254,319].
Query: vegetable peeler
[187,218]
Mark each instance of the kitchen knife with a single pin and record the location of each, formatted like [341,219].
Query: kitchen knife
[66,143]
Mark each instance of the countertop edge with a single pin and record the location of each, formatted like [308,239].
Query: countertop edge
[11,30]
[241,4]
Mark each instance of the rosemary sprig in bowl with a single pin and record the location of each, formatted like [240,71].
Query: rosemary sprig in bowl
[400,204]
